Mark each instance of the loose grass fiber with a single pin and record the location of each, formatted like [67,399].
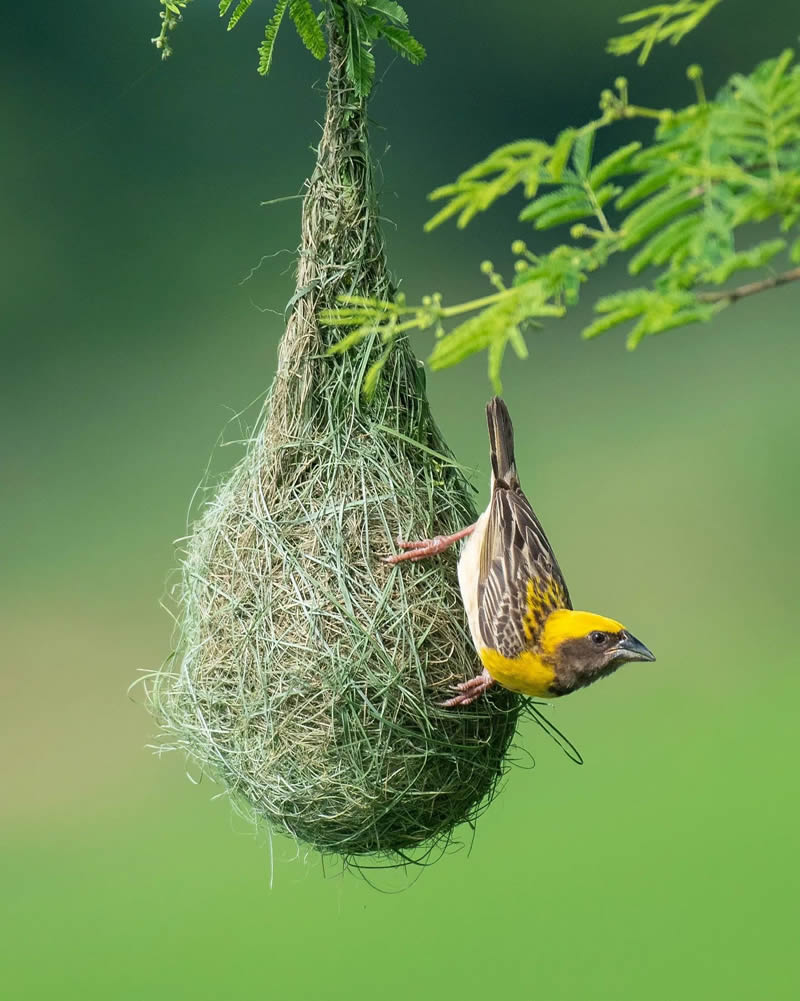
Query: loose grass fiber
[309,673]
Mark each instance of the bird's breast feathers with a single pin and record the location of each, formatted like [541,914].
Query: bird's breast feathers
[526,673]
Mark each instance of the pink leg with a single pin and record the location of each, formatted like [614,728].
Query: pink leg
[426,547]
[471,690]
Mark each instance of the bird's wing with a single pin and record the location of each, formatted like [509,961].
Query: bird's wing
[520,582]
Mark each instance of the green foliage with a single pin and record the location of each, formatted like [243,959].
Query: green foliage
[266,48]
[308,27]
[240,8]
[676,207]
[668,22]
[362,22]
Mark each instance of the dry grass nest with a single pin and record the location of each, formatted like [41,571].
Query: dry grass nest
[309,674]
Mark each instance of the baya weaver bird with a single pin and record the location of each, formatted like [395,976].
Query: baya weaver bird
[525,630]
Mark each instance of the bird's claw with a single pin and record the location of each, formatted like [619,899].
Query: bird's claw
[418,550]
[423,548]
[469,691]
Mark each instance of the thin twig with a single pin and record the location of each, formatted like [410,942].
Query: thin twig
[734,294]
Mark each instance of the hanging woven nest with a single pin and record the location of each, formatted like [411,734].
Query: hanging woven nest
[310,673]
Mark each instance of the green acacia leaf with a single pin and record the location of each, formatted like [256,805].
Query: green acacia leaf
[390,9]
[680,318]
[360,60]
[561,198]
[623,300]
[582,154]
[517,342]
[404,42]
[238,11]
[665,243]
[497,348]
[604,323]
[456,205]
[658,211]
[613,164]
[308,27]
[560,216]
[756,257]
[462,341]
[370,383]
[351,339]
[560,153]
[604,195]
[267,47]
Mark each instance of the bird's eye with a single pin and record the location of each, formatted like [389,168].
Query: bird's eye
[598,637]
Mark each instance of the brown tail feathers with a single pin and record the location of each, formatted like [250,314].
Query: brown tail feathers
[501,442]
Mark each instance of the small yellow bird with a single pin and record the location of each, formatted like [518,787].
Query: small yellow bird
[524,628]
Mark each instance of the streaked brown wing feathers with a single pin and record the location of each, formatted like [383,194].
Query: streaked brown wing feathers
[520,581]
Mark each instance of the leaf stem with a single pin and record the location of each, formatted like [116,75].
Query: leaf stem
[596,208]
[735,294]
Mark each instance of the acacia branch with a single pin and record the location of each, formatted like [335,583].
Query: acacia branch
[734,294]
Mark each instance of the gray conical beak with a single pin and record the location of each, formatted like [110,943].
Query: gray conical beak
[633,649]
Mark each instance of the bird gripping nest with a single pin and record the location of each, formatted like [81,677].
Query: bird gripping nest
[310,673]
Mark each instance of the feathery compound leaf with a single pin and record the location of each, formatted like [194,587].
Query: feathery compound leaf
[494,324]
[564,198]
[604,323]
[360,60]
[223,7]
[709,168]
[670,22]
[665,243]
[657,311]
[658,211]
[582,154]
[561,151]
[476,189]
[390,9]
[238,11]
[266,48]
[370,383]
[404,42]
[756,257]
[646,186]
[466,339]
[308,27]
[613,164]
[564,214]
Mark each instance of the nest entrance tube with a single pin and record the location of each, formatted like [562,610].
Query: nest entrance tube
[310,672]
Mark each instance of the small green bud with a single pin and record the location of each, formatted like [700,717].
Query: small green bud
[518,247]
[426,300]
[694,72]
[621,83]
[578,230]
[487,267]
[520,266]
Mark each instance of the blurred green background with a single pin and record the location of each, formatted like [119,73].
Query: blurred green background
[668,479]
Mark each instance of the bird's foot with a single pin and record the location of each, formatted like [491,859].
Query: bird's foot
[423,548]
[469,691]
